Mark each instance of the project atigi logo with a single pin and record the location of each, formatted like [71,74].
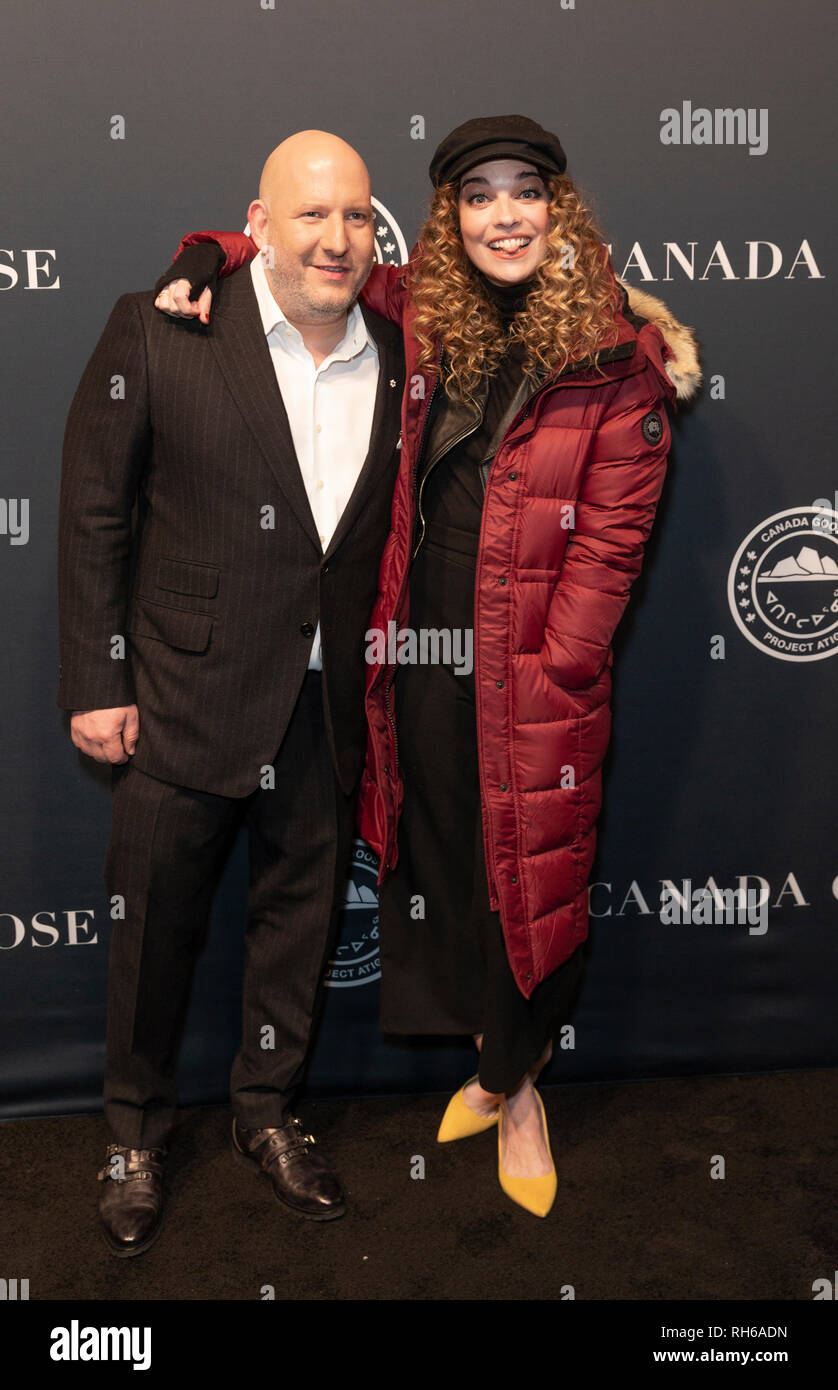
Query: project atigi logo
[782,586]
[356,960]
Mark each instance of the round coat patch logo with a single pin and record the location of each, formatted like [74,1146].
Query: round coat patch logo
[355,961]
[652,427]
[782,586]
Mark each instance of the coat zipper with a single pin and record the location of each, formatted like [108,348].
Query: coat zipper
[487,820]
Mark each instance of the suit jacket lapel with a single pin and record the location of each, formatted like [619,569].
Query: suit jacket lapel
[243,355]
[386,418]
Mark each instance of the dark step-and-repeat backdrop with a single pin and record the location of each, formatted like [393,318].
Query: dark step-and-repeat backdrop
[703,137]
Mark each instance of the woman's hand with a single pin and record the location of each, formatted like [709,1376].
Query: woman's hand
[193,272]
[174,299]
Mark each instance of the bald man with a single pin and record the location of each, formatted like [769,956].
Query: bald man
[225,500]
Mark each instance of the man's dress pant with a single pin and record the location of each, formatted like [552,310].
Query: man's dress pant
[167,850]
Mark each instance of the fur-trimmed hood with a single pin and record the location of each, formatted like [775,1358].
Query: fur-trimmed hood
[681,363]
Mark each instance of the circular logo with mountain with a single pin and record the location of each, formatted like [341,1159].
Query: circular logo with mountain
[355,960]
[782,586]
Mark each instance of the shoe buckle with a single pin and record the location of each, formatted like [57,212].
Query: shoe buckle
[132,1176]
[111,1170]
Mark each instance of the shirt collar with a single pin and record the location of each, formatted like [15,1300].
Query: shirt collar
[356,338]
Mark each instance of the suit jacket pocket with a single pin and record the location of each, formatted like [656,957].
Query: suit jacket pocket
[187,577]
[189,632]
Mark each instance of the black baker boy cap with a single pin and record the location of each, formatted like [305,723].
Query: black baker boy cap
[496,137]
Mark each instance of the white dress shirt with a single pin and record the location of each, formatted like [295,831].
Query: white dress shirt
[329,409]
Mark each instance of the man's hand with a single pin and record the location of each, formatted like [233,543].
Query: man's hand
[174,300]
[108,735]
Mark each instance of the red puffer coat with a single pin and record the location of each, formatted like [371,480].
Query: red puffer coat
[570,501]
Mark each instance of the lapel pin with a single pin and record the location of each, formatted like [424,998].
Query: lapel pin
[392,381]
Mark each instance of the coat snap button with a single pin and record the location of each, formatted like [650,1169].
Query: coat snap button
[504,786]
[499,685]
[502,579]
[514,878]
[386,769]
[512,477]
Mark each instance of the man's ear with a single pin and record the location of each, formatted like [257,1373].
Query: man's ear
[257,216]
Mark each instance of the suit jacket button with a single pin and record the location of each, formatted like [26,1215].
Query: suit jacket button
[307,630]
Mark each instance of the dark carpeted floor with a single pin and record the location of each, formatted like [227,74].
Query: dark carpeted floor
[638,1215]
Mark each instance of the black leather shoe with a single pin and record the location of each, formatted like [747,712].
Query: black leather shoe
[131,1198]
[300,1178]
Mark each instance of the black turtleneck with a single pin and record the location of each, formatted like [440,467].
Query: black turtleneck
[452,499]
[509,300]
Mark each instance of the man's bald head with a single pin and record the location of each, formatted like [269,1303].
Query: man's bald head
[313,223]
[308,157]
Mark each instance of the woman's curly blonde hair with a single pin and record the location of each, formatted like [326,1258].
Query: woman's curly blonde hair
[568,314]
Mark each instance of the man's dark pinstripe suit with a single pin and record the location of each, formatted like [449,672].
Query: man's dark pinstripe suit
[165,539]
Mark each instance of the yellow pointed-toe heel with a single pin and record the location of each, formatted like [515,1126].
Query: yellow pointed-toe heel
[536,1195]
[459,1122]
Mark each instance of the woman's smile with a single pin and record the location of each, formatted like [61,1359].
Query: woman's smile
[510,245]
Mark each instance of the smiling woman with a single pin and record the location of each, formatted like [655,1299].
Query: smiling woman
[534,449]
[510,197]
[523,226]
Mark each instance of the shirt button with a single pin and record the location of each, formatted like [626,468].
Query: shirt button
[322,538]
[319,428]
[319,482]
[307,629]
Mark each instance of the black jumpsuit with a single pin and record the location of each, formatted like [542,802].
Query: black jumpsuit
[444,963]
